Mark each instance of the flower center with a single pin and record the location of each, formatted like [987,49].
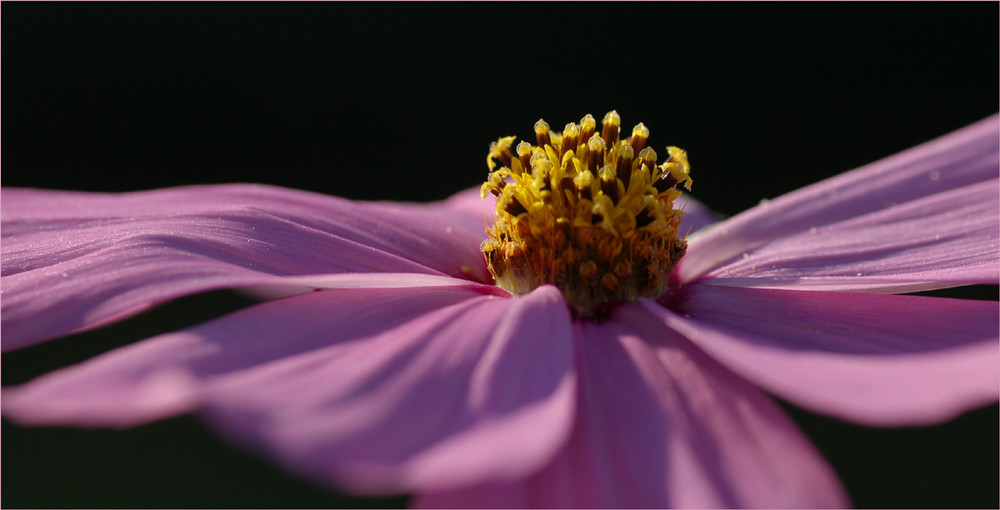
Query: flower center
[586,211]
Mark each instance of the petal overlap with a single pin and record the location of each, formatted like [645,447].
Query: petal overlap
[659,424]
[72,261]
[375,390]
[869,358]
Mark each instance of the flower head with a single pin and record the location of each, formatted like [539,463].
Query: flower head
[392,362]
[587,212]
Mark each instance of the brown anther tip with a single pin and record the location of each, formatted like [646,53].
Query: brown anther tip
[571,136]
[610,127]
[609,183]
[542,133]
[639,136]
[596,147]
[612,117]
[596,143]
[643,218]
[523,148]
[514,207]
[505,155]
[647,154]
[587,127]
[665,182]
[524,154]
[623,163]
[647,161]
[495,191]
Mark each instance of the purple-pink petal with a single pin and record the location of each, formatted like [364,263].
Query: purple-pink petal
[374,390]
[965,158]
[942,240]
[875,359]
[660,424]
[467,210]
[72,261]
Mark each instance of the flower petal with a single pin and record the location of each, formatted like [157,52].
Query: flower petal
[72,261]
[662,425]
[873,359]
[374,390]
[965,158]
[944,240]
[467,210]
[696,216]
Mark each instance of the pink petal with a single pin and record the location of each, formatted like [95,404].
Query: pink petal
[696,215]
[467,210]
[374,390]
[943,240]
[662,425]
[72,261]
[967,159]
[869,358]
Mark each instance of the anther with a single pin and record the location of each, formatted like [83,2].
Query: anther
[610,126]
[571,135]
[596,147]
[495,183]
[665,182]
[587,127]
[582,182]
[514,207]
[609,184]
[501,150]
[542,133]
[639,136]
[524,154]
[647,161]
[623,163]
[643,218]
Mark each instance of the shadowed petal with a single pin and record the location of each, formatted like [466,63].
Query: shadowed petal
[375,390]
[76,260]
[964,158]
[662,425]
[869,358]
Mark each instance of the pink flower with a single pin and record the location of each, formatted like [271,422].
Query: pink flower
[412,372]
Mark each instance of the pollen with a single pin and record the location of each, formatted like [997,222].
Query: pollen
[585,210]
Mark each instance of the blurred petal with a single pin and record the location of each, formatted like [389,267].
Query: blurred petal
[379,391]
[467,210]
[662,425]
[72,261]
[964,158]
[696,215]
[874,359]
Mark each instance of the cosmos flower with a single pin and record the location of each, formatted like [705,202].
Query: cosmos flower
[393,357]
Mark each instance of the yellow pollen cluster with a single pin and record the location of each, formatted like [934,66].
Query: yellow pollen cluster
[586,211]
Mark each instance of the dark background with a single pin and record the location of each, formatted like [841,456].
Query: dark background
[400,101]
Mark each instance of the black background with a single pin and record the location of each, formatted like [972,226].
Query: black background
[400,102]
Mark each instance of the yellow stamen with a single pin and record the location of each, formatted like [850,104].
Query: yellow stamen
[585,211]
